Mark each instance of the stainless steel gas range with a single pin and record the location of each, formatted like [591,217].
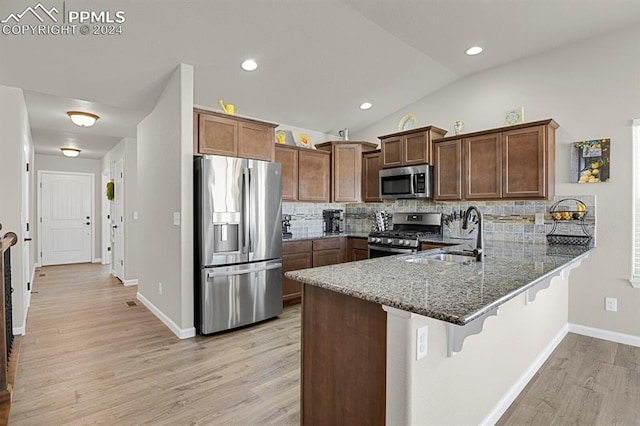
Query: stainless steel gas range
[404,237]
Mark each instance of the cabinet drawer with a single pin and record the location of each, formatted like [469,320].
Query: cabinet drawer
[358,243]
[327,257]
[292,247]
[326,244]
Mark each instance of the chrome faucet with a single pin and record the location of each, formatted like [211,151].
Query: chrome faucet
[478,252]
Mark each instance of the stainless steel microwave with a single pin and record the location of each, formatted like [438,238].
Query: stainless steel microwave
[407,182]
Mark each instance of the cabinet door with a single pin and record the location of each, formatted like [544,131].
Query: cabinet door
[359,254]
[327,257]
[416,149]
[217,135]
[288,157]
[256,141]
[346,166]
[392,151]
[314,169]
[448,170]
[292,290]
[524,163]
[371,165]
[483,167]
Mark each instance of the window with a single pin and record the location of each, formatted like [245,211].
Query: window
[635,274]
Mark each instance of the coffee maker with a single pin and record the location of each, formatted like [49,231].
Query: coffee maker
[333,221]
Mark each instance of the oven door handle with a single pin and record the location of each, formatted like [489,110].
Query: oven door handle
[392,249]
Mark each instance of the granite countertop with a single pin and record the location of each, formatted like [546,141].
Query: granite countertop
[317,235]
[455,293]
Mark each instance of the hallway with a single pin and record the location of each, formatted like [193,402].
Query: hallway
[89,358]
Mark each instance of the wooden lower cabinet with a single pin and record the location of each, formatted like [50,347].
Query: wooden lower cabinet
[295,255]
[357,249]
[306,254]
[344,359]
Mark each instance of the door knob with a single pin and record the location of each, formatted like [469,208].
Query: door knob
[115,226]
[88,223]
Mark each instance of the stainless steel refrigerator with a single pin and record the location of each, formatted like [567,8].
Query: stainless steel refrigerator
[238,237]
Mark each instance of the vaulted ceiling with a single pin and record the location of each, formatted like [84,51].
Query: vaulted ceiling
[318,60]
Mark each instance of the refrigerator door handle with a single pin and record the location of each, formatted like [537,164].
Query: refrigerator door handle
[246,223]
[212,274]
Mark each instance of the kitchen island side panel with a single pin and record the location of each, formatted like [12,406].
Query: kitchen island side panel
[478,384]
[344,341]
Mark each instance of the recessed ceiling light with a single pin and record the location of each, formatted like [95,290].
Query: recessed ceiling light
[473,50]
[70,152]
[82,119]
[365,105]
[249,65]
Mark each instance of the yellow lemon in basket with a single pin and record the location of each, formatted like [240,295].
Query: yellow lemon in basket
[584,179]
[595,172]
[595,165]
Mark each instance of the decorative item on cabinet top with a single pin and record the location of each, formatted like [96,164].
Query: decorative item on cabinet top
[514,116]
[408,122]
[285,137]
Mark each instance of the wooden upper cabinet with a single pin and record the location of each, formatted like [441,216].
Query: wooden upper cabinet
[447,178]
[288,157]
[256,141]
[346,169]
[516,162]
[525,170]
[409,147]
[232,136]
[371,165]
[217,135]
[483,167]
[392,149]
[417,149]
[313,175]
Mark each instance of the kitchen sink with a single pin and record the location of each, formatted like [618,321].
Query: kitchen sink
[443,258]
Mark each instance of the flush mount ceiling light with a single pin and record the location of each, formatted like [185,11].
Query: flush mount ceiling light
[82,119]
[473,50]
[365,105]
[70,152]
[249,65]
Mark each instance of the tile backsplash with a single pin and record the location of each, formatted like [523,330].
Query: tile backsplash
[504,220]
[306,218]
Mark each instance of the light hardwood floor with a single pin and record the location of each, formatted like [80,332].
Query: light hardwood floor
[585,381]
[88,358]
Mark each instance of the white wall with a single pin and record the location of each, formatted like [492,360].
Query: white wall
[165,187]
[126,149]
[15,136]
[60,163]
[591,89]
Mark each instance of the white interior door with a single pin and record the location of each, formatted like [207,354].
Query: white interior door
[118,220]
[26,228]
[106,219]
[66,218]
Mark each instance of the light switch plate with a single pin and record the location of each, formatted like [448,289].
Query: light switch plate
[176,218]
[539,219]
[135,215]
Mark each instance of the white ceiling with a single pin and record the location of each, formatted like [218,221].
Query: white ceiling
[318,60]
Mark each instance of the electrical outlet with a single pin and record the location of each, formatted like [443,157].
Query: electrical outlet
[421,341]
[539,219]
[135,215]
[160,288]
[611,304]
[176,218]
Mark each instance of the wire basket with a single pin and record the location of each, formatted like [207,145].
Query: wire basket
[572,240]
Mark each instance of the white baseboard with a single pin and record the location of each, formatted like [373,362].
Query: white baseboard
[182,333]
[37,265]
[612,336]
[97,260]
[18,331]
[513,392]
[128,283]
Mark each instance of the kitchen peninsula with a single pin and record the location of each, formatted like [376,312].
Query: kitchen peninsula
[365,323]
